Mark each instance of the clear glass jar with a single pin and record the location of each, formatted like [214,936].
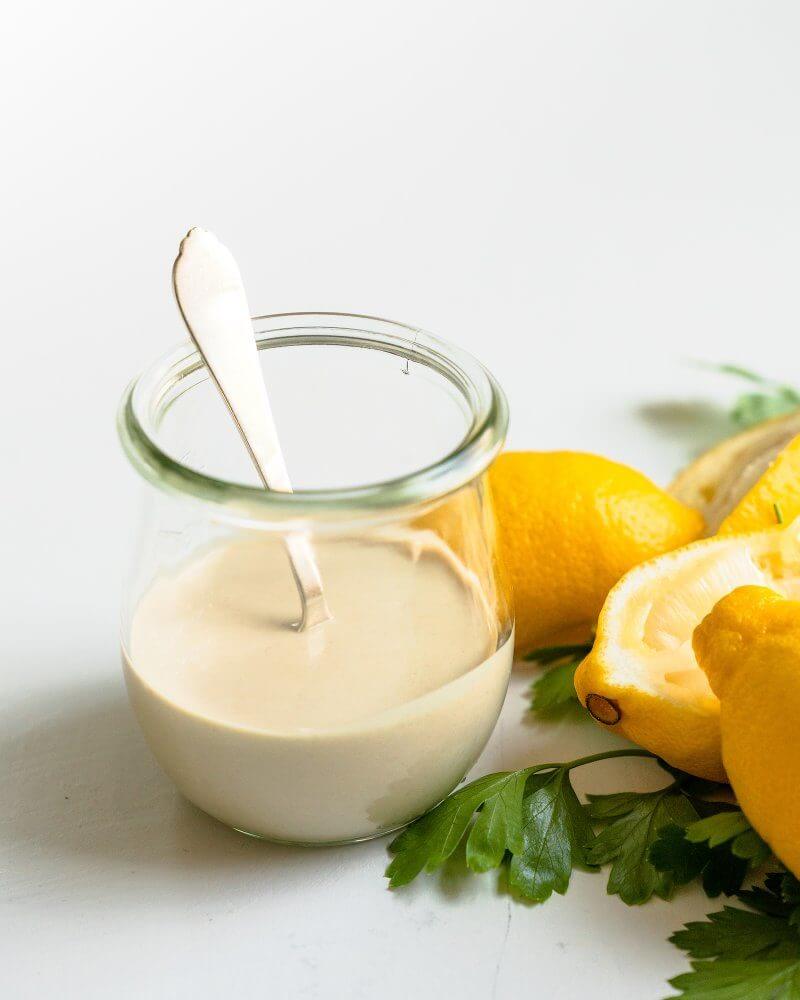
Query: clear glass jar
[351,729]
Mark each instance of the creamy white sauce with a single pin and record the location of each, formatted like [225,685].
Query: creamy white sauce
[336,733]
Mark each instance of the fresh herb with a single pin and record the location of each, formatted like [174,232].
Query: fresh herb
[778,513]
[739,953]
[532,818]
[634,823]
[790,894]
[430,841]
[556,835]
[771,979]
[735,933]
[553,693]
[774,399]
[777,897]
[719,850]
[731,828]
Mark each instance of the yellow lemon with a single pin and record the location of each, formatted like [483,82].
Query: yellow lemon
[641,677]
[749,647]
[736,485]
[570,525]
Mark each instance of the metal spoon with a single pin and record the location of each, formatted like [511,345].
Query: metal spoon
[211,297]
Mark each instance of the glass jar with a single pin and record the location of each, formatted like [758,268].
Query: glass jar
[353,728]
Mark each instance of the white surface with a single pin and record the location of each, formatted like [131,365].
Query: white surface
[583,194]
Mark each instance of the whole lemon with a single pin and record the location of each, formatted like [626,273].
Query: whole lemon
[570,525]
[749,647]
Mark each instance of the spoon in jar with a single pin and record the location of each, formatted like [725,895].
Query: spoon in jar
[211,298]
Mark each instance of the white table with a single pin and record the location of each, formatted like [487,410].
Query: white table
[582,194]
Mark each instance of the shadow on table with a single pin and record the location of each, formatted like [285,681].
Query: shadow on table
[77,782]
[695,424]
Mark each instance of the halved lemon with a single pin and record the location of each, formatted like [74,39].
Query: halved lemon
[736,485]
[642,677]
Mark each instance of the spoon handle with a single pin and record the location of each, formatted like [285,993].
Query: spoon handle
[211,297]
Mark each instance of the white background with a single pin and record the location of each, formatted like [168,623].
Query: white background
[584,194]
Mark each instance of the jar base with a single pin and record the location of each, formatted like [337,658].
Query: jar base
[321,843]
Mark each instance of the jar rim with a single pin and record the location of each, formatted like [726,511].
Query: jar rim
[139,414]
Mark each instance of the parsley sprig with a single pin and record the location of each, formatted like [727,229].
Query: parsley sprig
[532,817]
[532,821]
[634,821]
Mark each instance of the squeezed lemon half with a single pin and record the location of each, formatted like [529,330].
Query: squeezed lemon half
[736,485]
[642,676]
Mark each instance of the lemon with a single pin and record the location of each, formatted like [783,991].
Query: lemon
[570,525]
[642,677]
[749,647]
[736,485]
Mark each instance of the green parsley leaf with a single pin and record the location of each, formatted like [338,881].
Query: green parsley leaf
[721,848]
[752,408]
[636,821]
[531,818]
[553,693]
[718,869]
[718,829]
[775,979]
[556,834]
[790,890]
[723,872]
[768,898]
[498,827]
[607,807]
[745,955]
[672,852]
[790,894]
[735,933]
[751,848]
[755,407]
[430,841]
[733,828]
[535,816]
